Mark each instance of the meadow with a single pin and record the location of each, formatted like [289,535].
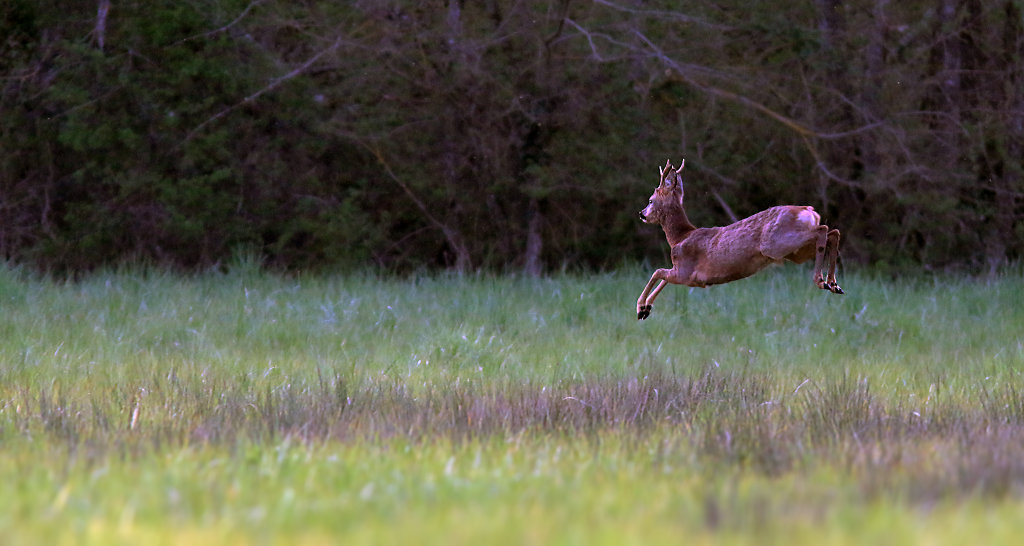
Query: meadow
[242,407]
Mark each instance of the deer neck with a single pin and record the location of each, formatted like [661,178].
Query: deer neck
[677,227]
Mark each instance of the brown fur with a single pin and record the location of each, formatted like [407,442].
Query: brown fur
[717,255]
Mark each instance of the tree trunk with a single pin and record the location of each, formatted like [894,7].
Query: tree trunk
[100,32]
[870,93]
[830,20]
[533,264]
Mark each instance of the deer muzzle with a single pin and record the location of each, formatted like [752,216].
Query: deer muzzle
[644,213]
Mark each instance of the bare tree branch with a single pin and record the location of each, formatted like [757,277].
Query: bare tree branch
[718,197]
[224,28]
[665,15]
[454,238]
[725,206]
[683,72]
[822,167]
[593,46]
[269,87]
[796,126]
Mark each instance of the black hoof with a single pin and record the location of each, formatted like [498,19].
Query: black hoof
[836,289]
[644,312]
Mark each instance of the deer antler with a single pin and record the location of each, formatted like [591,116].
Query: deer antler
[664,173]
[680,169]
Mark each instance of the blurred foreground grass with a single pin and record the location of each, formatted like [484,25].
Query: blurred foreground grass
[143,407]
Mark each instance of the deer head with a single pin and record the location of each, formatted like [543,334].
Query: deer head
[667,197]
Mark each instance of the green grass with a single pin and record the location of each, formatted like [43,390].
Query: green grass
[143,407]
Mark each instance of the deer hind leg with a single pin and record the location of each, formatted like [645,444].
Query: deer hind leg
[833,257]
[820,248]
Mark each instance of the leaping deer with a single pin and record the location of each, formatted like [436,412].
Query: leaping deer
[717,255]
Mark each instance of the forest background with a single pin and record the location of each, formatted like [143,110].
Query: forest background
[499,134]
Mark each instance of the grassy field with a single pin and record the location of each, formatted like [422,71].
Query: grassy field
[139,407]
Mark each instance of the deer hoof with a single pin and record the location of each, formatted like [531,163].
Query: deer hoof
[836,289]
[643,312]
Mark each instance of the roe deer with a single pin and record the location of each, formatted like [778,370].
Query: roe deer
[716,255]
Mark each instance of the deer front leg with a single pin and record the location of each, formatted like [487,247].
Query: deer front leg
[646,300]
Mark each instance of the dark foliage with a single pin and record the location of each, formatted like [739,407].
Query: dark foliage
[500,134]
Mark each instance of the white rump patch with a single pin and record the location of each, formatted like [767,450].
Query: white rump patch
[809,217]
